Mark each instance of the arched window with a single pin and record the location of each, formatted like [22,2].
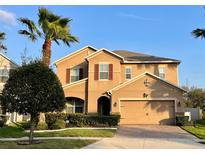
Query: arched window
[74,105]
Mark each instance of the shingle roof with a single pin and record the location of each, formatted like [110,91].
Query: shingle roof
[134,56]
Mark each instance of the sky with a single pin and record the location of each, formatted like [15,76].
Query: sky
[157,30]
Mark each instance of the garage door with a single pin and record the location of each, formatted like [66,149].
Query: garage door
[147,112]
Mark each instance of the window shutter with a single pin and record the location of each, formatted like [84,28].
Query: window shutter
[110,71]
[96,72]
[68,75]
[80,73]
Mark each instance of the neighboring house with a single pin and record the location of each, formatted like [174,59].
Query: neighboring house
[6,65]
[143,89]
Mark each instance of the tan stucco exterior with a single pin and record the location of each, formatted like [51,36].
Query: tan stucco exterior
[155,90]
[90,90]
[77,59]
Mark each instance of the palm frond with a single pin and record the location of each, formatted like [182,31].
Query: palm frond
[64,22]
[3,47]
[2,36]
[69,39]
[199,33]
[44,14]
[31,36]
[30,25]
[56,41]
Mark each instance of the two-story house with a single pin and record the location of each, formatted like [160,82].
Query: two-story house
[6,65]
[143,89]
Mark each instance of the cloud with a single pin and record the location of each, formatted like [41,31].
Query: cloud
[136,17]
[8,18]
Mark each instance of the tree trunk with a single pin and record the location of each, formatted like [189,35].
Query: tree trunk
[46,52]
[32,127]
[46,60]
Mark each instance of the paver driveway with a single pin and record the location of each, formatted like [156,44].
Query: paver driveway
[148,137]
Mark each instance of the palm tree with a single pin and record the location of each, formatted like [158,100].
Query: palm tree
[199,32]
[2,38]
[53,28]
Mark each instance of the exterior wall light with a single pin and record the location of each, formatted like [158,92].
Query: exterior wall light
[179,104]
[115,104]
[145,95]
[146,82]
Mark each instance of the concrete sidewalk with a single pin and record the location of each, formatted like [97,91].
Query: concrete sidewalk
[53,138]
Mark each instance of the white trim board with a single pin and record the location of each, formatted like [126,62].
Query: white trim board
[101,50]
[74,83]
[73,53]
[140,76]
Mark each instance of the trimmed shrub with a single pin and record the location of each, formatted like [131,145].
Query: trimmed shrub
[42,126]
[182,120]
[52,117]
[82,120]
[25,125]
[1,123]
[59,124]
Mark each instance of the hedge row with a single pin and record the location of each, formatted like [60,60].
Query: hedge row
[82,120]
[182,120]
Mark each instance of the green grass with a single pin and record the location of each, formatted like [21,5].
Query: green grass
[12,131]
[79,133]
[47,144]
[198,130]
[16,131]
[200,124]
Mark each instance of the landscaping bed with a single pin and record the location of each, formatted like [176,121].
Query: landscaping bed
[47,144]
[198,129]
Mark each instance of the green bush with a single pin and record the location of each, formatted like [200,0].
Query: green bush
[82,120]
[1,123]
[59,124]
[25,125]
[52,117]
[42,126]
[182,120]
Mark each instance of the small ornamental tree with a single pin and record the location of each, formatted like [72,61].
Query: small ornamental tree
[33,89]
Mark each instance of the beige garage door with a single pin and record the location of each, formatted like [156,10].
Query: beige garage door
[147,112]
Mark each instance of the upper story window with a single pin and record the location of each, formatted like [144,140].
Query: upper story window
[4,75]
[104,71]
[162,72]
[74,74]
[128,73]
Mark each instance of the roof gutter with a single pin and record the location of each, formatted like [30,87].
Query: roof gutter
[150,62]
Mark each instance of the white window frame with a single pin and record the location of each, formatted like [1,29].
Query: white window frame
[74,106]
[128,67]
[8,69]
[78,72]
[164,72]
[103,63]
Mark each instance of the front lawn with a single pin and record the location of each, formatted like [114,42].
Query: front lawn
[78,133]
[47,144]
[16,132]
[198,130]
[12,131]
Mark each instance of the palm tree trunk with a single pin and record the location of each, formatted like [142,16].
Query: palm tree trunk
[47,52]
[46,60]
